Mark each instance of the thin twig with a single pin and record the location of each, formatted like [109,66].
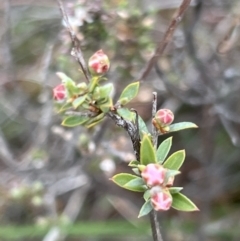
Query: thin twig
[75,113]
[155,226]
[153,215]
[167,37]
[154,110]
[76,51]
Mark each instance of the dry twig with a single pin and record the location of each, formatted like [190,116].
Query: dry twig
[76,50]
[167,38]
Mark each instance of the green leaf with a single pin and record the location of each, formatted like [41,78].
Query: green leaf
[95,120]
[96,93]
[65,79]
[93,84]
[77,102]
[146,195]
[126,180]
[94,123]
[136,171]
[75,120]
[164,149]
[142,127]
[171,173]
[182,126]
[105,107]
[64,107]
[147,151]
[182,203]
[126,114]
[173,190]
[133,163]
[71,86]
[129,93]
[83,88]
[137,185]
[145,209]
[106,90]
[175,161]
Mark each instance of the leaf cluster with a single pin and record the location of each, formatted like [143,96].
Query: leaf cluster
[149,155]
[88,104]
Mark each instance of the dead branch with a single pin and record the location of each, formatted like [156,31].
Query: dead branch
[167,38]
[76,50]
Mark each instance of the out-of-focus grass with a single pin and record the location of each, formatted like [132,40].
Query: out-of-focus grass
[86,229]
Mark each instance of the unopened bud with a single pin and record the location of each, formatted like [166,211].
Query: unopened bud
[99,63]
[59,93]
[154,174]
[161,201]
[164,117]
[162,120]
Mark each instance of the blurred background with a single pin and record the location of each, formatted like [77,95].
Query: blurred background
[54,181]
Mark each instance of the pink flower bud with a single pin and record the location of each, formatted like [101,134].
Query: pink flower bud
[153,174]
[59,93]
[164,117]
[99,63]
[161,201]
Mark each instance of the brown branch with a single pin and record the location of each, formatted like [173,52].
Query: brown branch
[167,38]
[131,129]
[156,232]
[76,50]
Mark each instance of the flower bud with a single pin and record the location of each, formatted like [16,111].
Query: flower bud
[153,174]
[162,120]
[164,117]
[59,93]
[161,201]
[99,63]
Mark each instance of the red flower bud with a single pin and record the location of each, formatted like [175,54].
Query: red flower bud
[161,200]
[162,120]
[99,63]
[164,117]
[153,174]
[59,93]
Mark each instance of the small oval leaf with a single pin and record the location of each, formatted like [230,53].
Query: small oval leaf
[78,101]
[182,203]
[175,161]
[173,190]
[106,90]
[147,151]
[94,123]
[145,209]
[137,185]
[122,179]
[142,127]
[133,163]
[164,149]
[129,93]
[136,171]
[105,107]
[146,195]
[95,120]
[65,107]
[181,126]
[126,114]
[75,120]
